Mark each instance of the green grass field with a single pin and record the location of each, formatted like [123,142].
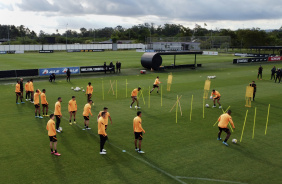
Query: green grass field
[182,152]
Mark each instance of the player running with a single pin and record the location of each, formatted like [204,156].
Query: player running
[52,135]
[18,92]
[31,90]
[89,91]
[36,103]
[102,133]
[58,114]
[134,95]
[107,116]
[44,103]
[72,108]
[27,92]
[86,112]
[137,128]
[223,120]
[215,95]
[156,85]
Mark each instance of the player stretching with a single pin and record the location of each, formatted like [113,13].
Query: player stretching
[18,92]
[86,112]
[31,90]
[134,95]
[52,135]
[27,92]
[223,120]
[156,85]
[215,95]
[102,133]
[36,103]
[137,128]
[72,109]
[44,103]
[58,113]
[107,116]
[89,91]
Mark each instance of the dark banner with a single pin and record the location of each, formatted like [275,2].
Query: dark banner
[85,50]
[8,74]
[11,52]
[249,60]
[46,51]
[252,55]
[26,73]
[3,52]
[88,69]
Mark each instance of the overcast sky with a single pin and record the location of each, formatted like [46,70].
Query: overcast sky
[49,15]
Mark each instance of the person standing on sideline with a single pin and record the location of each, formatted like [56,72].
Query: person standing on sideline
[68,75]
[156,85]
[58,113]
[52,135]
[89,91]
[273,71]
[37,104]
[27,92]
[215,95]
[72,108]
[260,72]
[105,67]
[255,89]
[102,133]
[119,66]
[111,67]
[21,84]
[278,75]
[223,120]
[86,112]
[134,95]
[44,103]
[18,92]
[137,129]
[31,89]
[107,116]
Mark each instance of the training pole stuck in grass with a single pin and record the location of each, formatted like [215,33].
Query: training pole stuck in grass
[254,123]
[267,120]
[244,126]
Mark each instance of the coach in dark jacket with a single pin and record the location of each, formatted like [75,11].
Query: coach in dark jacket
[273,71]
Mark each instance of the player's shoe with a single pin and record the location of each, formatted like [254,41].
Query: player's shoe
[18,103]
[213,106]
[57,154]
[225,143]
[46,115]
[104,150]
[136,149]
[70,123]
[58,131]
[141,152]
[31,101]
[52,152]
[219,107]
[36,116]
[22,102]
[130,107]
[88,128]
[103,153]
[40,117]
[74,122]
[137,107]
[26,99]
[218,139]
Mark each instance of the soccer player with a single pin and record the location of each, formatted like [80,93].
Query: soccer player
[255,89]
[273,71]
[223,120]
[44,103]
[134,95]
[137,128]
[215,95]
[58,113]
[52,135]
[36,103]
[31,89]
[278,75]
[68,75]
[86,112]
[156,84]
[72,109]
[18,92]
[27,92]
[107,116]
[102,133]
[89,91]
[260,72]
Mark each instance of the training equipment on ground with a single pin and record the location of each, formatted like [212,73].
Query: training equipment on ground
[77,89]
[234,141]
[71,87]
[112,87]
[244,126]
[211,97]
[207,88]
[83,90]
[267,119]
[212,77]
[61,129]
[169,81]
[207,105]
[249,95]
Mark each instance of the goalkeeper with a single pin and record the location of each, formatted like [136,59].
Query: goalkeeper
[215,95]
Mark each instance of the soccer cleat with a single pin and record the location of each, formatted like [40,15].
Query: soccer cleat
[88,128]
[57,154]
[52,152]
[74,122]
[26,99]
[213,106]
[225,143]
[40,117]
[130,107]
[141,152]
[58,131]
[22,102]
[219,107]
[17,103]
[136,149]
[218,139]
[36,116]
[103,153]
[139,107]
[31,101]
[70,123]
[104,150]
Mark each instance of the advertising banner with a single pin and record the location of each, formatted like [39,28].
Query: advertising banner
[276,58]
[46,51]
[88,69]
[3,52]
[249,60]
[58,71]
[212,53]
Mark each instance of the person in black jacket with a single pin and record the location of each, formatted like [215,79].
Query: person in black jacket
[21,86]
[68,75]
[273,71]
[260,72]
[278,75]
[255,89]
[105,67]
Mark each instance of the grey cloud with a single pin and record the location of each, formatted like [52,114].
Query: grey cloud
[4,6]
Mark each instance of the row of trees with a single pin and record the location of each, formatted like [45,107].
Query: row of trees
[241,38]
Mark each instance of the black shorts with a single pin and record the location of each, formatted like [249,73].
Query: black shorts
[224,129]
[217,98]
[155,86]
[18,93]
[138,135]
[73,112]
[53,138]
[44,105]
[86,117]
[89,96]
[58,118]
[36,106]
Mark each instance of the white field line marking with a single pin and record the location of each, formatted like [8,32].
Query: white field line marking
[209,179]
[137,158]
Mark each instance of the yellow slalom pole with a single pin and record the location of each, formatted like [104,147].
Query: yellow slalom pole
[161,95]
[126,88]
[142,97]
[203,108]
[223,112]
[267,119]
[254,123]
[149,98]
[103,89]
[244,126]
[116,89]
[176,109]
[191,108]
